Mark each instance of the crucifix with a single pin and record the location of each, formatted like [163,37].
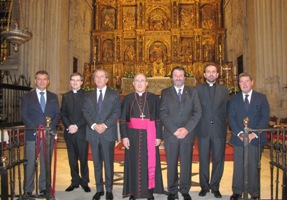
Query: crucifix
[226,69]
[142,115]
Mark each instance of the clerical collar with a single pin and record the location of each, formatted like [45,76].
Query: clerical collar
[210,84]
[140,93]
[76,91]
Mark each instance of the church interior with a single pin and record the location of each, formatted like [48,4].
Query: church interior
[126,37]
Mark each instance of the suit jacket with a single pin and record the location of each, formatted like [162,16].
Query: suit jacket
[71,112]
[175,114]
[258,115]
[33,116]
[212,112]
[110,113]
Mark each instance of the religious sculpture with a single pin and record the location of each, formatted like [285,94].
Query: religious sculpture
[130,53]
[86,75]
[158,56]
[158,35]
[129,20]
[108,20]
[108,51]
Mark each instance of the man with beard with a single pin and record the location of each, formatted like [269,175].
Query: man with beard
[180,111]
[211,131]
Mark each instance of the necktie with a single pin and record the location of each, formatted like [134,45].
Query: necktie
[100,101]
[179,94]
[42,101]
[246,102]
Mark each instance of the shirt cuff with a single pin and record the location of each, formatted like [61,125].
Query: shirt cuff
[254,134]
[92,127]
[239,134]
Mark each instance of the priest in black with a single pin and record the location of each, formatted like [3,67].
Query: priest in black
[141,133]
[75,133]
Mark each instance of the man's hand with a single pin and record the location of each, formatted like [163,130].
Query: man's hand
[157,142]
[251,136]
[100,128]
[126,143]
[73,129]
[181,133]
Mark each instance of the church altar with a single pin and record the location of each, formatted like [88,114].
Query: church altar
[155,84]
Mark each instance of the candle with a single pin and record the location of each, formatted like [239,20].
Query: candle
[220,48]
[95,50]
[234,70]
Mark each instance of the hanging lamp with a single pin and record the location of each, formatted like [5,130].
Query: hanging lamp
[16,36]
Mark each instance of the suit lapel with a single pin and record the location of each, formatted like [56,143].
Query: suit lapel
[36,100]
[174,94]
[252,104]
[184,93]
[217,96]
[70,100]
[207,96]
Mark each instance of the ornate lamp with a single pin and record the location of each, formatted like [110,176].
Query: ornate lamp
[16,36]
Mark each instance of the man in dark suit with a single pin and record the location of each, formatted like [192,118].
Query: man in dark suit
[75,133]
[180,111]
[254,105]
[36,106]
[211,130]
[101,111]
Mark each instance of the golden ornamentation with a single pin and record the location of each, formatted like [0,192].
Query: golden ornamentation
[154,36]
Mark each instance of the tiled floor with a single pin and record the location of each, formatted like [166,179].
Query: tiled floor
[63,181]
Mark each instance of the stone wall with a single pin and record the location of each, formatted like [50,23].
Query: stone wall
[256,30]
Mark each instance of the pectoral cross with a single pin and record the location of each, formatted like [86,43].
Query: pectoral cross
[142,116]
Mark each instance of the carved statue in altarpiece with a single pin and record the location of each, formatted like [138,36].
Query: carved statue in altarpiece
[155,36]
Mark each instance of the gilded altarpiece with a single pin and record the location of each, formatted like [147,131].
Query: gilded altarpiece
[153,36]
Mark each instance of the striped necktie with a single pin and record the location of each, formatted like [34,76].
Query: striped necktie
[42,101]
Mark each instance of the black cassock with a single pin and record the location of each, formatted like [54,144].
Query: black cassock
[136,158]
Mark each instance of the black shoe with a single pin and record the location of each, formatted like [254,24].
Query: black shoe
[109,196]
[71,188]
[28,194]
[186,196]
[235,196]
[44,192]
[86,188]
[255,198]
[217,194]
[202,193]
[132,198]
[150,198]
[171,197]
[98,195]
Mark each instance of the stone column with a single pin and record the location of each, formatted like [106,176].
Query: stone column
[271,51]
